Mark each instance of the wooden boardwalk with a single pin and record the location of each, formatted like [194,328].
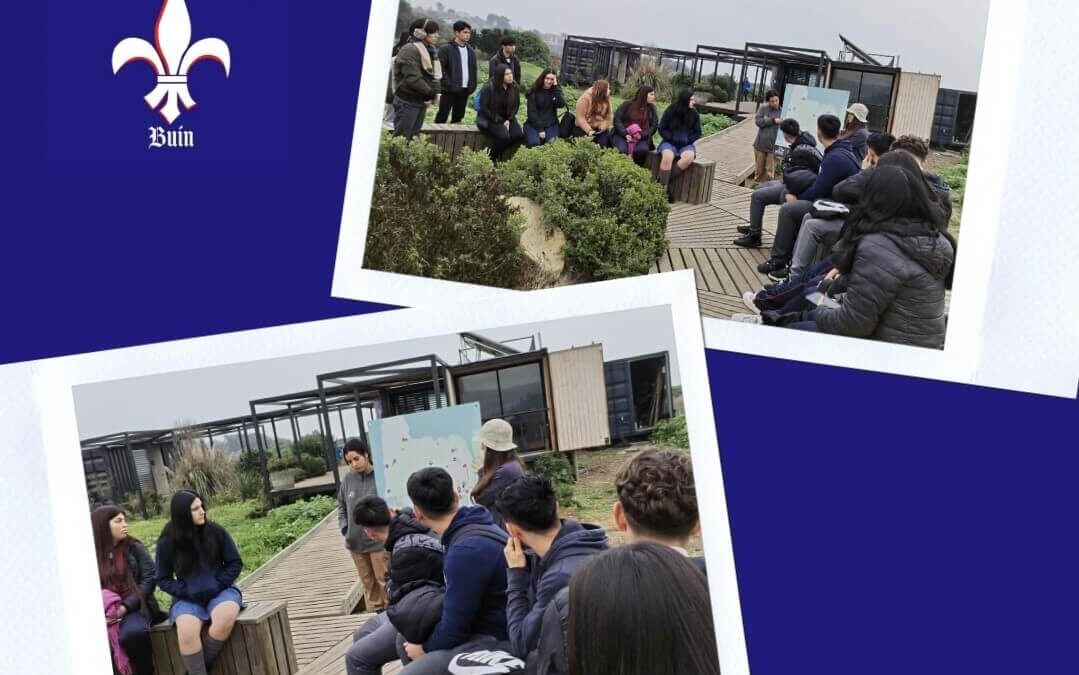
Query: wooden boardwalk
[701,237]
[316,577]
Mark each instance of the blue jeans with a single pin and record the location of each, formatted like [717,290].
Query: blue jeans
[532,137]
[808,322]
[770,193]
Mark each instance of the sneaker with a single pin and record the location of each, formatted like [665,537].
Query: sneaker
[747,318]
[780,274]
[751,240]
[747,299]
[770,265]
[744,229]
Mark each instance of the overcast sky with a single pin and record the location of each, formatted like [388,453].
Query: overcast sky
[163,401]
[929,36]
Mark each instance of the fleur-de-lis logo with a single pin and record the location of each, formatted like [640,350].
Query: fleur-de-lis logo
[171,59]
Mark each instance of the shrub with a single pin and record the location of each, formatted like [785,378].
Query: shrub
[287,460]
[311,466]
[557,468]
[611,212]
[711,123]
[530,46]
[722,87]
[310,445]
[207,471]
[249,461]
[249,484]
[151,500]
[672,433]
[649,71]
[447,220]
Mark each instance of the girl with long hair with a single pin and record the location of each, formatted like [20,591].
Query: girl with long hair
[500,100]
[680,128]
[856,131]
[542,102]
[635,123]
[894,261]
[594,114]
[126,571]
[197,563]
[664,626]
[501,465]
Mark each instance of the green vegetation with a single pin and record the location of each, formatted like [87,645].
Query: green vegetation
[955,177]
[611,212]
[258,537]
[672,433]
[437,218]
[557,468]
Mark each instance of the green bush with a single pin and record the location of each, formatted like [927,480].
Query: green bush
[722,87]
[447,220]
[557,468]
[530,46]
[712,123]
[287,460]
[249,461]
[651,73]
[311,466]
[612,213]
[249,484]
[207,471]
[151,500]
[672,433]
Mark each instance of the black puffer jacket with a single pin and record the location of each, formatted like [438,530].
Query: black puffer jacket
[142,568]
[801,164]
[417,610]
[415,555]
[895,283]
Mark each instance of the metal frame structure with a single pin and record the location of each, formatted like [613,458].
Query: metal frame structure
[760,56]
[619,46]
[125,470]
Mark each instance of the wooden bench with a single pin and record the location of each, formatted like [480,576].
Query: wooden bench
[452,138]
[260,644]
[692,186]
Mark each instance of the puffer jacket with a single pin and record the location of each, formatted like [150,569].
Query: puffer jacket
[801,164]
[413,82]
[850,190]
[415,555]
[417,611]
[895,286]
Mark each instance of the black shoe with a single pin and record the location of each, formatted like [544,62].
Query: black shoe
[780,275]
[744,229]
[751,240]
[770,265]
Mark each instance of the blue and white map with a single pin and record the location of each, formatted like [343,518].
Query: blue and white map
[446,437]
[806,104]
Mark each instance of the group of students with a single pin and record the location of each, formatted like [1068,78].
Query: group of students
[507,585]
[448,77]
[196,562]
[878,216]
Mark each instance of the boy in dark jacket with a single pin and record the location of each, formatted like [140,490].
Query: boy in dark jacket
[458,59]
[506,54]
[415,561]
[542,553]
[800,167]
[474,605]
[657,501]
[839,163]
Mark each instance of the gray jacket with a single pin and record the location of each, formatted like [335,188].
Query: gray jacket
[767,129]
[354,487]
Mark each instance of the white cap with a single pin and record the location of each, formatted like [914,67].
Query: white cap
[497,435]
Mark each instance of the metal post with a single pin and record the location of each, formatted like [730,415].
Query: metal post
[276,443]
[331,454]
[341,419]
[263,466]
[295,429]
[438,386]
[135,471]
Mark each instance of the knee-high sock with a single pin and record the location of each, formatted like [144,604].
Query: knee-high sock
[664,178]
[195,664]
[676,170]
[211,648]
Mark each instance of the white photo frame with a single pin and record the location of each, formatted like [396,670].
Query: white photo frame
[51,431]
[1002,332]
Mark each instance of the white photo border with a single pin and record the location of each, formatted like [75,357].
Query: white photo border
[1024,344]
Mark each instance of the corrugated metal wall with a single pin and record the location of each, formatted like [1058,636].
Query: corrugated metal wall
[915,105]
[580,398]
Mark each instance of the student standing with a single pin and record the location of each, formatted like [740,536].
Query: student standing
[680,128]
[458,59]
[417,76]
[594,113]
[855,131]
[767,120]
[542,554]
[197,564]
[126,571]
[500,100]
[543,101]
[368,555]
[507,56]
[474,606]
[501,466]
[635,123]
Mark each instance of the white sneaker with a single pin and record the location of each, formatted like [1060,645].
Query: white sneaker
[747,318]
[747,299]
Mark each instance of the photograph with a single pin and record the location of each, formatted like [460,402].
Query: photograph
[810,169]
[463,502]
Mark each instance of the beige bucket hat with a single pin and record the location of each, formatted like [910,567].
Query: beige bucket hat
[497,435]
[860,112]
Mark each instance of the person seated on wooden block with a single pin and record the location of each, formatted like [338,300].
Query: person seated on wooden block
[542,102]
[415,567]
[368,555]
[635,124]
[680,128]
[197,564]
[496,118]
[126,571]
[542,553]
[594,114]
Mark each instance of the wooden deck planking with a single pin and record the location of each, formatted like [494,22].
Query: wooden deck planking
[332,659]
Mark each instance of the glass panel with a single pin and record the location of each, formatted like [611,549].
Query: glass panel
[522,389]
[529,429]
[877,96]
[847,80]
[481,387]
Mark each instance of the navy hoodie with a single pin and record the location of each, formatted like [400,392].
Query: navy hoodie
[204,583]
[475,569]
[839,163]
[531,588]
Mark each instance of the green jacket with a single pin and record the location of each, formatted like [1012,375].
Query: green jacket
[413,83]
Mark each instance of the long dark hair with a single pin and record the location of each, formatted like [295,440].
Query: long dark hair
[500,93]
[682,116]
[851,124]
[538,84]
[106,550]
[669,606]
[492,461]
[639,103]
[190,543]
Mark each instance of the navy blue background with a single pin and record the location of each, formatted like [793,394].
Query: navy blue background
[881,524]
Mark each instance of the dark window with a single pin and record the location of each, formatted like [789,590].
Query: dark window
[872,89]
[515,394]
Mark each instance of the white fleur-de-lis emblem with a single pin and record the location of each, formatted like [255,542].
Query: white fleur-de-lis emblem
[171,59]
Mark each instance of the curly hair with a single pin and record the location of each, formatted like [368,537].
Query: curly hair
[658,495]
[912,144]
